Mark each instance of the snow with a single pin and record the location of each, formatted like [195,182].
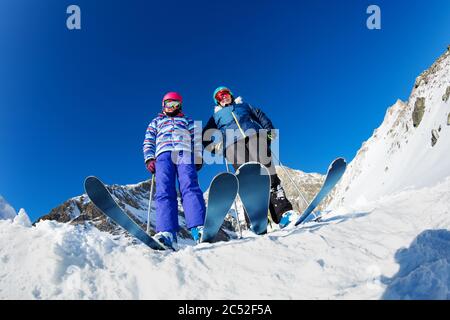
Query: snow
[425,268]
[6,211]
[395,247]
[22,219]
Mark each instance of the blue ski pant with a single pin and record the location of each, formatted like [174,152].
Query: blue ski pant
[171,165]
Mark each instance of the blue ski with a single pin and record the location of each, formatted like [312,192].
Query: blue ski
[334,174]
[222,193]
[254,191]
[103,200]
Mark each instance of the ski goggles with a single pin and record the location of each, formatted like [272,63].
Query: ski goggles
[222,95]
[172,104]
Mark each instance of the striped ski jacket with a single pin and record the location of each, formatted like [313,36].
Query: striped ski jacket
[177,133]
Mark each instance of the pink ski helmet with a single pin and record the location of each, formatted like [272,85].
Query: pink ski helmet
[172,96]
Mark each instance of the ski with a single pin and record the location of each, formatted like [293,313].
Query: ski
[103,200]
[334,174]
[222,193]
[254,191]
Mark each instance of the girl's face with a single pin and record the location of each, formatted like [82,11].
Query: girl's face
[171,106]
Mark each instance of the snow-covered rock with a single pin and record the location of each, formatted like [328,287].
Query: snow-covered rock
[22,218]
[6,210]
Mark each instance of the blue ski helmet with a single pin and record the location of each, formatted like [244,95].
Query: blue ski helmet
[221,88]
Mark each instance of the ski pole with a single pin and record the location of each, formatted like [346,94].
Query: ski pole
[292,181]
[152,183]
[235,206]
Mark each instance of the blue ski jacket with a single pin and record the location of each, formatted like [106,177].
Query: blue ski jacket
[241,117]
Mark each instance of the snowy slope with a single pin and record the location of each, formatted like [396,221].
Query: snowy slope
[6,211]
[400,155]
[396,247]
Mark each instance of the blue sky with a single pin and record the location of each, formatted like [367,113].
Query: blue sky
[77,103]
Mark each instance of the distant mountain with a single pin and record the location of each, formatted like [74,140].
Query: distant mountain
[131,198]
[134,200]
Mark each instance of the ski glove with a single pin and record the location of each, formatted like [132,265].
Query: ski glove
[151,166]
[271,135]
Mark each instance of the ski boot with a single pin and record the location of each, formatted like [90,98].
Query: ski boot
[197,233]
[287,218]
[167,240]
[278,202]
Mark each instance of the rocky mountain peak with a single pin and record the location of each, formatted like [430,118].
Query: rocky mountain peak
[411,145]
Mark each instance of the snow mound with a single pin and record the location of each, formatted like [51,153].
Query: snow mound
[22,219]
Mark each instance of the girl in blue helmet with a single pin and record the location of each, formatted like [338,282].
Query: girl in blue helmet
[252,128]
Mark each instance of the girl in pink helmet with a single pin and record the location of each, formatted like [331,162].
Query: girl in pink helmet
[172,150]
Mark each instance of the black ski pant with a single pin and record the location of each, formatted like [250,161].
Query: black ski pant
[257,148]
